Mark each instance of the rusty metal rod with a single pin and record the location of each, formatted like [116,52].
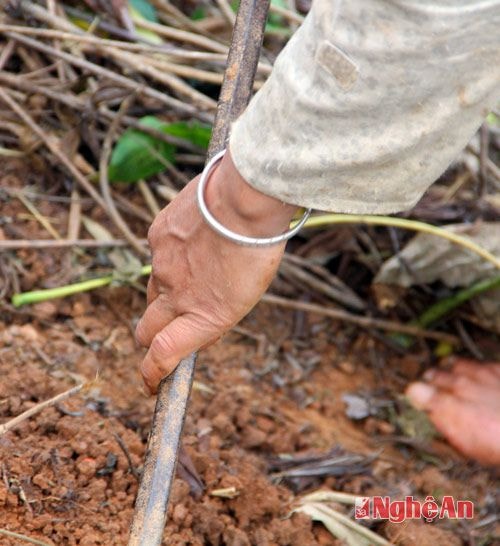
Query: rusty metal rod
[239,75]
[173,393]
[161,457]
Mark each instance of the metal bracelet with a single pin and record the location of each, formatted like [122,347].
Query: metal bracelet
[243,240]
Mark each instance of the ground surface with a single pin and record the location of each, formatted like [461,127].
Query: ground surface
[271,389]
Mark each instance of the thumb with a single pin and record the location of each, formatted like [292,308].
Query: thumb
[181,337]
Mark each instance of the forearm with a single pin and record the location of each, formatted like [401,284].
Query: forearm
[242,208]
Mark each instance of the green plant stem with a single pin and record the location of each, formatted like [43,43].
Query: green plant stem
[441,308]
[37,296]
[444,306]
[414,225]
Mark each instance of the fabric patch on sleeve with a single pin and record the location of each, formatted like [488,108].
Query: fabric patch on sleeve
[338,64]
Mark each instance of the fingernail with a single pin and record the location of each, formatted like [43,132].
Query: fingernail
[429,375]
[420,394]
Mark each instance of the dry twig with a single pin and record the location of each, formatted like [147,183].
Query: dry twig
[149,197]
[52,145]
[38,408]
[23,538]
[123,81]
[104,181]
[42,220]
[226,11]
[364,322]
[330,285]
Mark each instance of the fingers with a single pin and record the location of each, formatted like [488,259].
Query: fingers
[181,337]
[152,292]
[156,317]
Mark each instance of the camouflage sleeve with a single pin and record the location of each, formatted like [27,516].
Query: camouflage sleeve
[370,102]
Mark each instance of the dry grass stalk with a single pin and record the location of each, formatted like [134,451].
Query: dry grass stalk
[74,216]
[288,14]
[53,145]
[227,11]
[364,322]
[70,100]
[149,197]
[19,244]
[42,220]
[184,36]
[23,538]
[5,427]
[104,182]
[122,81]
[6,52]
[142,65]
[76,35]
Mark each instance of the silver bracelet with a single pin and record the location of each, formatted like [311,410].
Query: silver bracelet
[243,240]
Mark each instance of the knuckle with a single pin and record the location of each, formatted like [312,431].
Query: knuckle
[145,371]
[149,383]
[147,376]
[152,234]
[140,333]
[156,264]
[162,347]
[214,323]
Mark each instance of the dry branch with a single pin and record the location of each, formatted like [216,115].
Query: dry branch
[53,146]
[123,81]
[84,38]
[23,538]
[104,182]
[63,243]
[38,408]
[102,112]
[184,36]
[364,322]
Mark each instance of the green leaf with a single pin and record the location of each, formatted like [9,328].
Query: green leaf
[145,9]
[138,155]
[197,133]
[493,120]
[199,13]
[273,18]
[275,22]
[144,14]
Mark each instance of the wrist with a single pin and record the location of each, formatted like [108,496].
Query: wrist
[242,208]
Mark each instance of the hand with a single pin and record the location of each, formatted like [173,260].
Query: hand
[203,284]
